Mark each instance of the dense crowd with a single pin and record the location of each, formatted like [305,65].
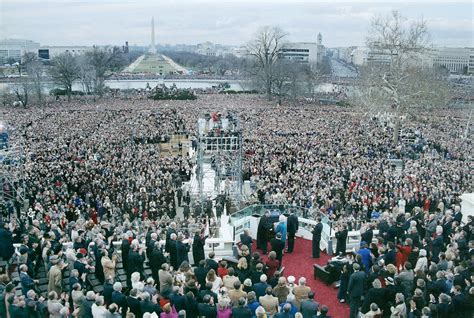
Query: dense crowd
[94,176]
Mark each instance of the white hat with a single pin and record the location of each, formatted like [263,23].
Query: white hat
[291,279]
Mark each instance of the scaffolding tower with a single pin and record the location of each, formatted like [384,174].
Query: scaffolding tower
[219,157]
[13,189]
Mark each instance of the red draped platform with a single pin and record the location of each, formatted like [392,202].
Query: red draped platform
[300,264]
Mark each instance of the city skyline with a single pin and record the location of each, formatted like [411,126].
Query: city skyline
[86,22]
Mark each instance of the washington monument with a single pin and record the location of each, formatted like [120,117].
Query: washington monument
[152,49]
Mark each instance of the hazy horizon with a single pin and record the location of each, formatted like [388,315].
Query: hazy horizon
[342,23]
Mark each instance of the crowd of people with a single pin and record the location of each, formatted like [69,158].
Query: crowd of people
[94,175]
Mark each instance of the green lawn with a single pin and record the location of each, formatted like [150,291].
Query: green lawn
[154,64]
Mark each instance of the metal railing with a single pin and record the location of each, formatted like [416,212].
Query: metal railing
[260,209]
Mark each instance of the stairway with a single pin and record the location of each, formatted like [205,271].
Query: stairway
[92,280]
[171,148]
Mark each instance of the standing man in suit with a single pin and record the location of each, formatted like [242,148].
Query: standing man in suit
[125,247]
[318,229]
[368,235]
[355,290]
[198,247]
[172,244]
[55,275]
[309,307]
[269,302]
[211,263]
[27,283]
[246,239]
[341,237]
[169,245]
[119,298]
[292,225]
[263,230]
[182,250]
[157,259]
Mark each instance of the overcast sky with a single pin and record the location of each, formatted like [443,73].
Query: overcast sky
[342,23]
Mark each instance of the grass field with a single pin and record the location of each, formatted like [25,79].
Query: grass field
[154,64]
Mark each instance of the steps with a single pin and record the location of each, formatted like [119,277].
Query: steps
[171,148]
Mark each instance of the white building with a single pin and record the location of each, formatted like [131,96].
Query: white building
[48,52]
[304,52]
[344,53]
[470,68]
[359,56]
[207,48]
[16,48]
[456,60]
[240,51]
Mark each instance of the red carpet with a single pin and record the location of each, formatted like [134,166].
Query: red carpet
[300,264]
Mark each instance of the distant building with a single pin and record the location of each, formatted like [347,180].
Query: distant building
[16,48]
[240,51]
[344,53]
[456,60]
[359,56]
[48,52]
[137,48]
[470,69]
[304,52]
[207,48]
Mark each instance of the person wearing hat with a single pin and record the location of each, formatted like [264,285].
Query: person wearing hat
[390,291]
[248,285]
[355,290]
[55,275]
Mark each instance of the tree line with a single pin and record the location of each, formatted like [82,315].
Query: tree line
[90,69]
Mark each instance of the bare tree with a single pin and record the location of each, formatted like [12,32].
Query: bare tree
[35,70]
[21,90]
[65,71]
[282,79]
[311,78]
[86,74]
[102,62]
[265,49]
[392,79]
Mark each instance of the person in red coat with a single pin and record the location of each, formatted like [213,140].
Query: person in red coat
[93,216]
[403,251]
[272,264]
[222,270]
